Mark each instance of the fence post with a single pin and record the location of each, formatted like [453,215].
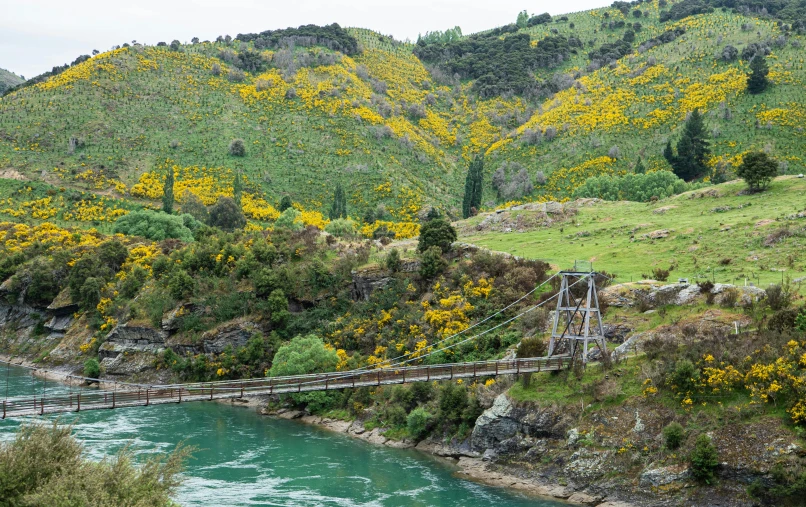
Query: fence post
[379,377]
[428,374]
[113,399]
[211,393]
[147,400]
[326,379]
[4,409]
[404,377]
[517,366]
[474,369]
[451,372]
[496,368]
[78,402]
[42,407]
[180,395]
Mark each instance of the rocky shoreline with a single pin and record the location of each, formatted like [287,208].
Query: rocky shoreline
[470,464]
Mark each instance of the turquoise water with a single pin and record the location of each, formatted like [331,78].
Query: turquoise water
[248,459]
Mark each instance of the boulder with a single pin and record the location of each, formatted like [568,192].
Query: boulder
[662,476]
[504,420]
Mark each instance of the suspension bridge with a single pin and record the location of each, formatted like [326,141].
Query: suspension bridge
[577,322]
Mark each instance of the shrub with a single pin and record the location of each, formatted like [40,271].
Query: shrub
[194,207]
[531,347]
[783,320]
[45,465]
[660,274]
[180,284]
[92,369]
[757,170]
[153,225]
[237,148]
[289,219]
[418,421]
[341,227]
[226,215]
[432,263]
[779,297]
[704,459]
[437,232]
[393,260]
[633,187]
[673,435]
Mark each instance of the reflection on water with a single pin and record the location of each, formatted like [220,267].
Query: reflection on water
[246,459]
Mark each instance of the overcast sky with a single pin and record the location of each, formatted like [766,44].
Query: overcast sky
[35,35]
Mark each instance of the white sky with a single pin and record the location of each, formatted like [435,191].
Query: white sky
[35,35]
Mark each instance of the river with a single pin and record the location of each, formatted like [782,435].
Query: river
[247,459]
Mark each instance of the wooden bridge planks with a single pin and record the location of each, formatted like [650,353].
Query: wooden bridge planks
[178,393]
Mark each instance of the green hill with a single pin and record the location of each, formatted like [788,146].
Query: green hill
[8,80]
[564,99]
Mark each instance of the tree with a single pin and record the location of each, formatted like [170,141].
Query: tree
[692,149]
[92,369]
[473,187]
[704,459]
[757,170]
[523,19]
[285,203]
[227,215]
[168,192]
[175,45]
[153,225]
[339,207]
[237,148]
[757,80]
[432,263]
[194,207]
[305,354]
[437,232]
[393,260]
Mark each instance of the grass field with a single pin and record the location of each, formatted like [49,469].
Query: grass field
[720,238]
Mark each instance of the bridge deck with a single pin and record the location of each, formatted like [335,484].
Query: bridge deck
[158,395]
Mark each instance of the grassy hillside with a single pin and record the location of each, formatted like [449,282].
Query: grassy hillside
[8,79]
[391,129]
[714,233]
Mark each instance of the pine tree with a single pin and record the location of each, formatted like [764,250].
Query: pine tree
[692,149]
[473,187]
[168,192]
[757,80]
[339,207]
[285,203]
[237,188]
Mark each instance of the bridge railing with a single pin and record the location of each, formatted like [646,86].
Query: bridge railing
[148,395]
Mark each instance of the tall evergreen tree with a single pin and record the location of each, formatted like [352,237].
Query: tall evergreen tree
[285,203]
[168,192]
[339,207]
[692,149]
[757,80]
[473,186]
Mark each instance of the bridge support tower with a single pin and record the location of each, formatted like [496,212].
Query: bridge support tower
[578,321]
